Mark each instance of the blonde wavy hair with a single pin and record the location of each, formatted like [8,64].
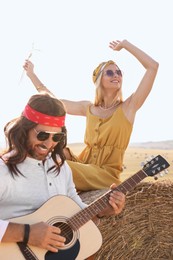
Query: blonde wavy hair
[97,76]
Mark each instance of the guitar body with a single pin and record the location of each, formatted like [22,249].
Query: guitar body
[79,245]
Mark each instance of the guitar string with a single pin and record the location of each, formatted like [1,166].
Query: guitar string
[133,183]
[79,219]
[65,226]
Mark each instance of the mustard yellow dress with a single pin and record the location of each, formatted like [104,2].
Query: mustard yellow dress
[101,161]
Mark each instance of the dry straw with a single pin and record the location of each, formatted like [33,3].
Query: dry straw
[144,230]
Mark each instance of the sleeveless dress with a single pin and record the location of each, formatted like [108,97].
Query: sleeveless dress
[101,161]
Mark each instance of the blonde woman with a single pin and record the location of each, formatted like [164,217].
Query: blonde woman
[109,119]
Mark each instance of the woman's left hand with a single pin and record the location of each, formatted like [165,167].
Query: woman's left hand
[116,45]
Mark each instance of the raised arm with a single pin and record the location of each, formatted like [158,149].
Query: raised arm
[29,68]
[72,107]
[136,100]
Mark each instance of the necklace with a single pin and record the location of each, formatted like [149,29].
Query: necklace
[108,108]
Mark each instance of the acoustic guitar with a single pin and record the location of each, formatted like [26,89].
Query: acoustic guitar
[83,238]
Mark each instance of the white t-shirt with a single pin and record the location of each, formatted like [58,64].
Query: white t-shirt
[21,195]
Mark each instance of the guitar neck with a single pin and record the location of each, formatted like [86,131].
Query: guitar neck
[83,216]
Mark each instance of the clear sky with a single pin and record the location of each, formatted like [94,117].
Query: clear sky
[71,38]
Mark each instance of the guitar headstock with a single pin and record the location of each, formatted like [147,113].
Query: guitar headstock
[155,166]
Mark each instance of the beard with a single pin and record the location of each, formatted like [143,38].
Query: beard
[34,155]
[38,152]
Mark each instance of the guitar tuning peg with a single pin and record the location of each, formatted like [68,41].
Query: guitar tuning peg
[166,171]
[149,158]
[142,164]
[161,174]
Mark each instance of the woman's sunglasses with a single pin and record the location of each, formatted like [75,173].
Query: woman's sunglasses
[44,135]
[111,73]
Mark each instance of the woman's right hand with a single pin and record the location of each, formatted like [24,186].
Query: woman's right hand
[46,236]
[29,67]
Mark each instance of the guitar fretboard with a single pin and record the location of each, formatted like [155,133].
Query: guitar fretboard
[80,218]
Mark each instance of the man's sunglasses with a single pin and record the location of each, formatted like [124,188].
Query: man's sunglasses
[44,135]
[111,73]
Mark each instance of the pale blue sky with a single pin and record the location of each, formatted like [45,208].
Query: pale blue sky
[73,37]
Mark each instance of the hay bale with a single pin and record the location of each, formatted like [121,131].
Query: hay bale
[144,229]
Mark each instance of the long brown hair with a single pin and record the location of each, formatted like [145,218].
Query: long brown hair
[16,132]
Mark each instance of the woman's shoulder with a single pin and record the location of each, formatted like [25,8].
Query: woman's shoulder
[128,111]
[87,103]
[86,106]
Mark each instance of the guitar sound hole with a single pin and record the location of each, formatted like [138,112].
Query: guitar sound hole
[66,231]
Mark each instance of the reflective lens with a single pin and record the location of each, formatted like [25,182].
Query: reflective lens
[111,73]
[56,137]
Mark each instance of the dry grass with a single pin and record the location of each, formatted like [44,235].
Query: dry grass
[144,230]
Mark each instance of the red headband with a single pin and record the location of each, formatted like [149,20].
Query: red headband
[43,119]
